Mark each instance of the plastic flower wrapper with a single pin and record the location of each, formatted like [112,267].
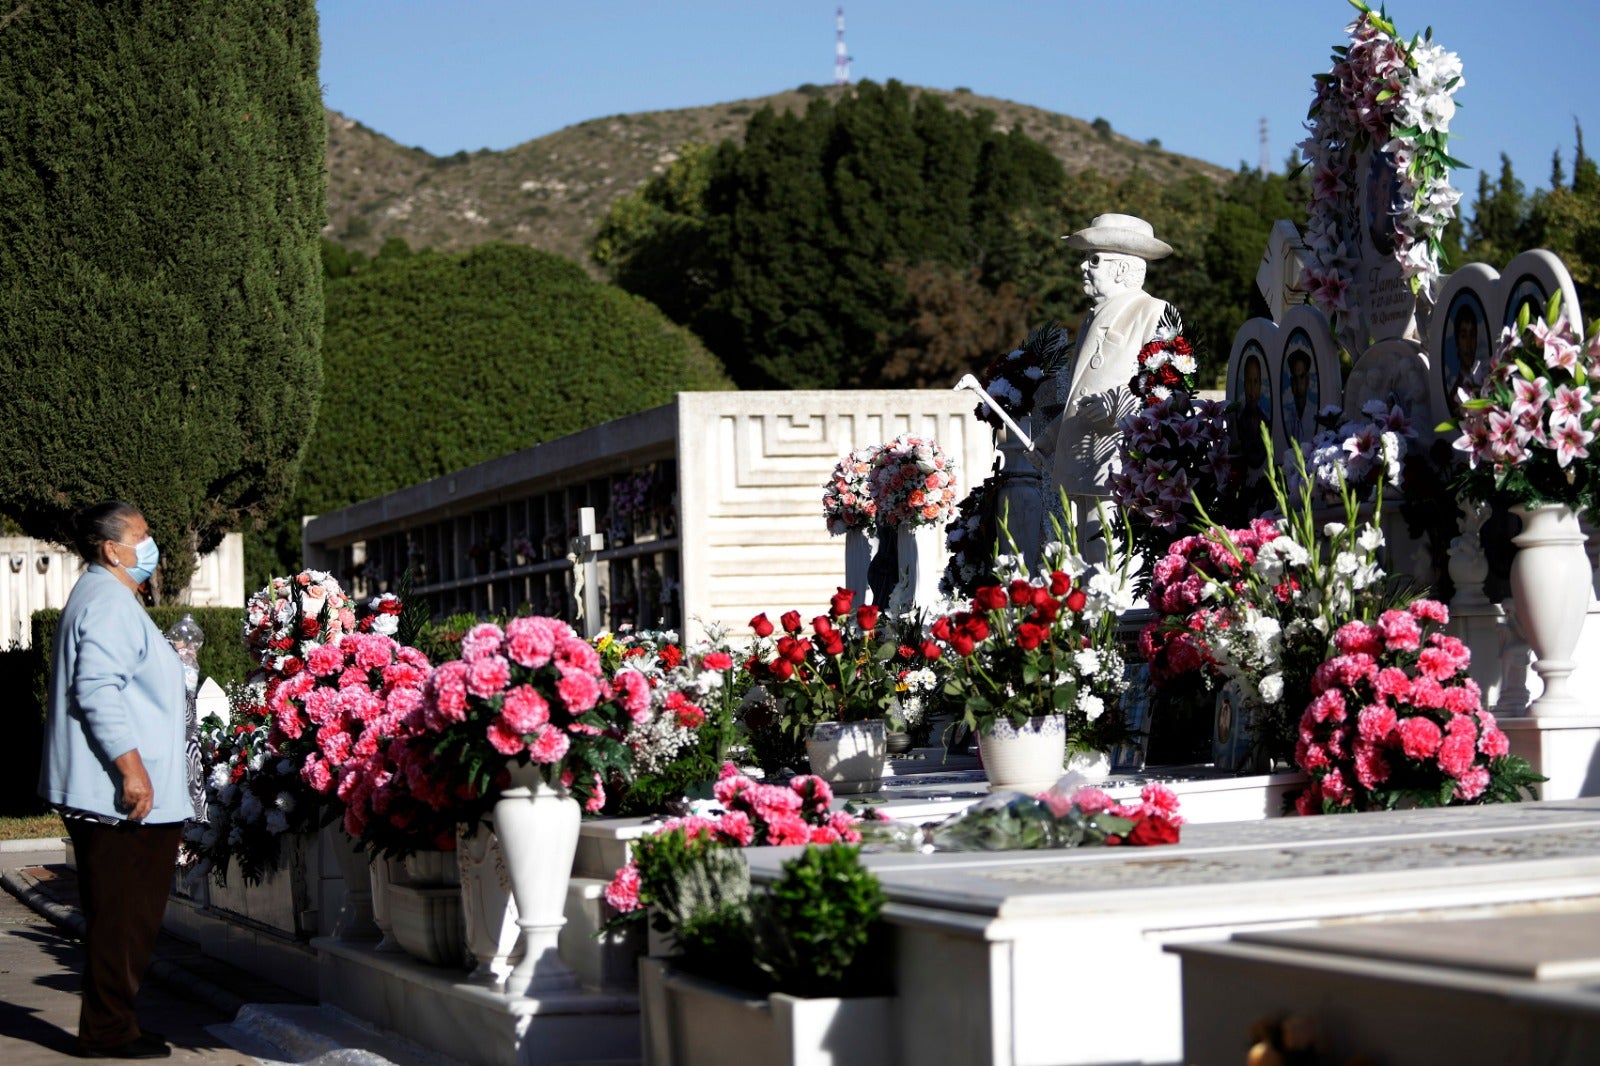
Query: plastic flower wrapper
[1068,815]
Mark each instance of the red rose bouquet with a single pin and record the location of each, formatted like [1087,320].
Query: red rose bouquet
[1394,718]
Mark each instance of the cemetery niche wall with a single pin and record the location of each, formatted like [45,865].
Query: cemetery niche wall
[706,511]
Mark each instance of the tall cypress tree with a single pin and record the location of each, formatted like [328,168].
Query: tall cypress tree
[161,197]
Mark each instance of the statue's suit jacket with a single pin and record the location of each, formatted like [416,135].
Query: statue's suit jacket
[1106,359]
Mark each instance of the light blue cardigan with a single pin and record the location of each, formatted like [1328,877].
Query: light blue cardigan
[115,685]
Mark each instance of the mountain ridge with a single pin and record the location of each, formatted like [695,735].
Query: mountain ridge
[551,192]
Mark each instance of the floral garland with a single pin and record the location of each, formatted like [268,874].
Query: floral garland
[1392,96]
[847,501]
[913,482]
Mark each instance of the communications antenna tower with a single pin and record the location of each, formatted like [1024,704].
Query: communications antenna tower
[841,58]
[1266,161]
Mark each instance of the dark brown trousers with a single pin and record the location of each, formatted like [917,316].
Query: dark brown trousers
[124,872]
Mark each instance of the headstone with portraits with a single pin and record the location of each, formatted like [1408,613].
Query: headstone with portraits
[1384,307]
[1281,375]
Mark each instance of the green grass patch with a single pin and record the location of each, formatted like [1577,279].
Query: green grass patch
[31,827]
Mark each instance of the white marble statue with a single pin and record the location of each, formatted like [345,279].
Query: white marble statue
[1122,319]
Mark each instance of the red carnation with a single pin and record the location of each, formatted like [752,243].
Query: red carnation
[670,656]
[930,650]
[309,628]
[1153,831]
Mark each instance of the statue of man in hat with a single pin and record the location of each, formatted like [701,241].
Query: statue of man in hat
[1122,319]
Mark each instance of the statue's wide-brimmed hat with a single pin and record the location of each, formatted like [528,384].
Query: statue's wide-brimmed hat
[1127,234]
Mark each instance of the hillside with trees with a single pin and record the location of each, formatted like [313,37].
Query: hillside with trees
[161,198]
[551,192]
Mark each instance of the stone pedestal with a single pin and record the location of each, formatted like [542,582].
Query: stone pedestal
[1566,750]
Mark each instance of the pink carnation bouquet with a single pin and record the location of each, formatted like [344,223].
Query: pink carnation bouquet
[1394,719]
[913,482]
[847,501]
[534,692]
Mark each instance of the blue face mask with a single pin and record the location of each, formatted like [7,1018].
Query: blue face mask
[145,557]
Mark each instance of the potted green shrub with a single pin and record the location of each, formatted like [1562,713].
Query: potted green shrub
[778,975]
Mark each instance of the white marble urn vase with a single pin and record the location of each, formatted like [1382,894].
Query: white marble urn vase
[537,824]
[381,875]
[1552,583]
[1025,758]
[355,921]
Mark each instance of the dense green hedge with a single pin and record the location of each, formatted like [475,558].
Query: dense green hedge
[25,675]
[161,199]
[433,362]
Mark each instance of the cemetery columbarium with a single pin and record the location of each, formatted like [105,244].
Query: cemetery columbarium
[1281,714]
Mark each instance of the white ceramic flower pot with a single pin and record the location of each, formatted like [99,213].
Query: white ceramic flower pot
[689,1021]
[538,828]
[489,908]
[1552,583]
[1028,758]
[849,756]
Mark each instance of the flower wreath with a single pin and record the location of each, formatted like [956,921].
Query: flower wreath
[1398,97]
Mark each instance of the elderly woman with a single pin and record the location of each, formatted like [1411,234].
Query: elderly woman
[114,767]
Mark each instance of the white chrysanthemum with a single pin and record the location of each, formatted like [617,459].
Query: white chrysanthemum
[1087,661]
[1271,688]
[1091,705]
[221,774]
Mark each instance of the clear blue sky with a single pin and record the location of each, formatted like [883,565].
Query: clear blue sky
[454,74]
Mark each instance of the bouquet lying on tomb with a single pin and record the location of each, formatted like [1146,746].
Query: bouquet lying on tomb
[1395,719]
[1526,429]
[1362,454]
[1062,817]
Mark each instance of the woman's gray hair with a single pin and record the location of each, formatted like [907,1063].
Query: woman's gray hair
[95,525]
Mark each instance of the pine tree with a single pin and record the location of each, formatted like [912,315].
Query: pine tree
[161,197]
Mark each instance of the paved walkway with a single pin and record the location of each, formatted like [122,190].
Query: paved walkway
[40,963]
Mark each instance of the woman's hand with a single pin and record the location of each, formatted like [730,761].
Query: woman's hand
[138,795]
